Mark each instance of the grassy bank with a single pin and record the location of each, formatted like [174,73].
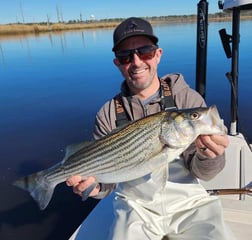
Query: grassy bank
[16,29]
[36,28]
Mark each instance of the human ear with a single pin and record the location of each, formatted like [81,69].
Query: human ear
[159,53]
[116,62]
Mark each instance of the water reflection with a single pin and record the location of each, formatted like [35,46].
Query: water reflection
[2,54]
[30,42]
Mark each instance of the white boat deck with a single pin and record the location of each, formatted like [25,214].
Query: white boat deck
[238,215]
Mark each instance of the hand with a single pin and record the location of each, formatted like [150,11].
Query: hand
[211,146]
[80,185]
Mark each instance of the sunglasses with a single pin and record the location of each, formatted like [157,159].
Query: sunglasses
[144,53]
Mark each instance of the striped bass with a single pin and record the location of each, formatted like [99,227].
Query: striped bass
[129,153]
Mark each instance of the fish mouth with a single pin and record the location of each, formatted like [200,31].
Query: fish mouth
[213,119]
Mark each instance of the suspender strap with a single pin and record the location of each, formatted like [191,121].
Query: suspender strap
[122,116]
[167,101]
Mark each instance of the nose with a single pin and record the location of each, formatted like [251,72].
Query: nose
[135,59]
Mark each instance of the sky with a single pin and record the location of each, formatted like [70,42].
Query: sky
[27,11]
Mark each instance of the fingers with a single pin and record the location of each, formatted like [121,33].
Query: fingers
[80,185]
[73,180]
[211,145]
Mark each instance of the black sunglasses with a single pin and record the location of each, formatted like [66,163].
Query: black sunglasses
[144,53]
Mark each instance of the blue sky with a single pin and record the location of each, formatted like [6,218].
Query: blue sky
[12,11]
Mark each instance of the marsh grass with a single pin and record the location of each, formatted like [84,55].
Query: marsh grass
[16,29]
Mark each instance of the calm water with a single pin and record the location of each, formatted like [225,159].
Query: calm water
[51,87]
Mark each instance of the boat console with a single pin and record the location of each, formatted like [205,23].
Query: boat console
[229,4]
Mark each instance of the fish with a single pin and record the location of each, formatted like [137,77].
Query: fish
[128,153]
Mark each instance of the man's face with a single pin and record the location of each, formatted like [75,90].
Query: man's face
[138,72]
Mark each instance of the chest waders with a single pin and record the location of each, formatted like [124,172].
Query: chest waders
[180,210]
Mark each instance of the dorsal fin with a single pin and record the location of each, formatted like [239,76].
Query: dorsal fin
[73,148]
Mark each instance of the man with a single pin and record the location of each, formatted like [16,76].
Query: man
[149,207]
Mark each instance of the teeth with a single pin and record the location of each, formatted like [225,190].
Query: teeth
[138,71]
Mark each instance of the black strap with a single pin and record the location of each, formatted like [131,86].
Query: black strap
[122,117]
[167,102]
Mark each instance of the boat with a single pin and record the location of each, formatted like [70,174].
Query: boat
[234,184]
[239,4]
[237,174]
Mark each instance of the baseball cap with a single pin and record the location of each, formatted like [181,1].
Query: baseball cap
[130,27]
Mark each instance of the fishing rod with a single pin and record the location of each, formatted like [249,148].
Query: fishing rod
[232,191]
[201,44]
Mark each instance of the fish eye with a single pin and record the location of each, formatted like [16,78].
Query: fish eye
[195,115]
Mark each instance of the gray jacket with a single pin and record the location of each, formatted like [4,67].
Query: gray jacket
[184,97]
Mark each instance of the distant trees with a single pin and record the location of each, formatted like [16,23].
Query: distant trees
[170,18]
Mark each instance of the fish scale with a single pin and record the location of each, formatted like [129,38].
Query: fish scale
[119,148]
[129,153]
[113,161]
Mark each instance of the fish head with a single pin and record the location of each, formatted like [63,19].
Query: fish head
[181,127]
[210,122]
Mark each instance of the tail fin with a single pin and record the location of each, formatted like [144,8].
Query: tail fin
[40,189]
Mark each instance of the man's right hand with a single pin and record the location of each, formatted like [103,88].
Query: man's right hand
[80,185]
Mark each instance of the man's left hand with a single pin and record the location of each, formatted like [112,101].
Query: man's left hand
[211,146]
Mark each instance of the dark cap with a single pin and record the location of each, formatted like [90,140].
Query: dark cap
[133,27]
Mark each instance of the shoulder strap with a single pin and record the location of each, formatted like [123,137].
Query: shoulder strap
[121,115]
[167,101]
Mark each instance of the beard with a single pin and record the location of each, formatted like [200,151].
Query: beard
[140,83]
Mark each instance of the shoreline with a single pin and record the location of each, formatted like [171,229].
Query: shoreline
[15,29]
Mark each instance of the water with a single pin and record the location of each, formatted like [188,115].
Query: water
[51,87]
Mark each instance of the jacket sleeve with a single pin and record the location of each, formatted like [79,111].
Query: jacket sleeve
[103,125]
[203,168]
[105,120]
